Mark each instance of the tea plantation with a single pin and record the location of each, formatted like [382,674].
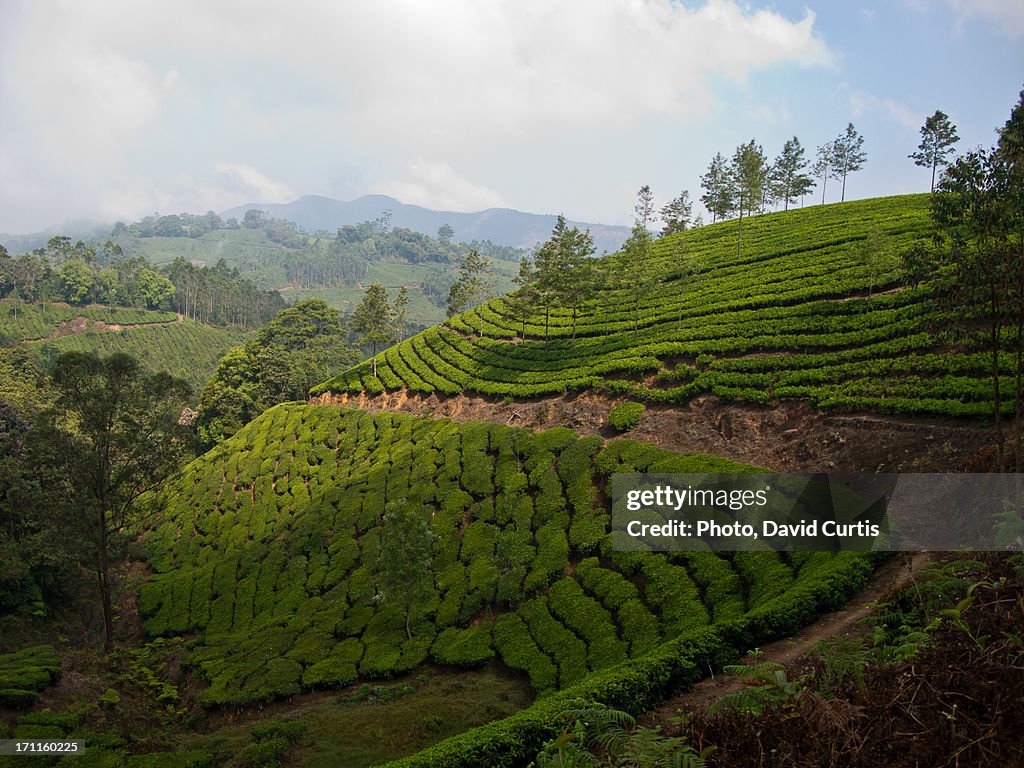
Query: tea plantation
[800,312]
[186,349]
[269,545]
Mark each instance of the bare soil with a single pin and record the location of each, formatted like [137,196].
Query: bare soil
[788,436]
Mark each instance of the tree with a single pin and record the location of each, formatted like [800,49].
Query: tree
[405,559]
[824,166]
[719,190]
[520,304]
[635,268]
[750,171]
[254,219]
[77,281]
[644,207]
[577,285]
[788,180]
[473,285]
[677,214]
[401,311]
[848,155]
[116,434]
[445,233]
[938,135]
[155,289]
[976,267]
[870,253]
[373,320]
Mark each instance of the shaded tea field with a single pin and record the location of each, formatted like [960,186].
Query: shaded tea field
[800,312]
[185,348]
[268,549]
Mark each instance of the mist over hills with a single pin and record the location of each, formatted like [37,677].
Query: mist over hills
[502,226]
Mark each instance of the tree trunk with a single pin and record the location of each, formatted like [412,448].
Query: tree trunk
[824,181]
[996,404]
[103,576]
[739,232]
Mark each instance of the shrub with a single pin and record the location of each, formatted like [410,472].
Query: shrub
[626,416]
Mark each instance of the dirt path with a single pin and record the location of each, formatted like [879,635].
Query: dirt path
[789,436]
[896,573]
[81,324]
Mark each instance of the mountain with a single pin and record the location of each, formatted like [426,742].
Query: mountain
[502,226]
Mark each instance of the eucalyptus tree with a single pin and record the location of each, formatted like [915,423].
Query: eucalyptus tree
[848,155]
[473,285]
[788,179]
[677,214]
[824,166]
[750,170]
[938,135]
[373,320]
[719,188]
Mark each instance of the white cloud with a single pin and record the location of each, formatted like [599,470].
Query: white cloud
[83,86]
[439,186]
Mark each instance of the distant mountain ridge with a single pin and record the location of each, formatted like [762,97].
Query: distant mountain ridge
[502,226]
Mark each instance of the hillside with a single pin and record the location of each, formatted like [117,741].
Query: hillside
[183,347]
[503,226]
[799,313]
[306,266]
[269,550]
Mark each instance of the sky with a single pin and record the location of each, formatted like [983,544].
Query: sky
[118,109]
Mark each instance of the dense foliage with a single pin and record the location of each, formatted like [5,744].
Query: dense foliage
[301,346]
[270,548]
[791,318]
[82,274]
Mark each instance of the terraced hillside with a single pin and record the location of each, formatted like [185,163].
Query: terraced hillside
[270,551]
[800,312]
[162,340]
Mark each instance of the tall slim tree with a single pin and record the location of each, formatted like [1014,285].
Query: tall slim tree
[473,285]
[521,302]
[824,167]
[116,432]
[938,135]
[401,312]
[373,320]
[719,190]
[751,173]
[848,155]
[578,284]
[789,182]
[644,207]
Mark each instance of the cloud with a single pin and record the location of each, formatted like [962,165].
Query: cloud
[87,89]
[862,102]
[1007,16]
[246,182]
[437,185]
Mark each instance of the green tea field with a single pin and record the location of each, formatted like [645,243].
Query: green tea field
[798,313]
